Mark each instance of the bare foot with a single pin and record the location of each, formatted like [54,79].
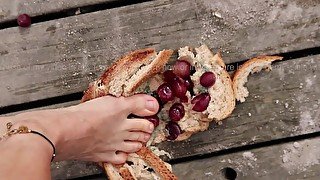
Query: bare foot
[97,130]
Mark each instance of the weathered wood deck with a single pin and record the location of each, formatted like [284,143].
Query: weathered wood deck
[56,59]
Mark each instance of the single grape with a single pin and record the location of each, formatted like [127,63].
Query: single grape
[179,87]
[165,92]
[176,112]
[169,76]
[174,130]
[24,20]
[154,119]
[201,102]
[189,83]
[207,79]
[182,68]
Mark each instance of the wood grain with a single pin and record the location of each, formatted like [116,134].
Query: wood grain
[293,160]
[282,103]
[62,56]
[10,9]
[73,169]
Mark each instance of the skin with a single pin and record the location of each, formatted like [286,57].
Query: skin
[97,130]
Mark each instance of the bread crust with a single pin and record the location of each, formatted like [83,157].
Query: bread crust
[112,171]
[125,63]
[258,59]
[102,86]
[248,67]
[126,174]
[156,67]
[156,163]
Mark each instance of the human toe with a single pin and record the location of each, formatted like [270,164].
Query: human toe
[139,125]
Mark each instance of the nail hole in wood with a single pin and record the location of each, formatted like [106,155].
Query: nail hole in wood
[229,173]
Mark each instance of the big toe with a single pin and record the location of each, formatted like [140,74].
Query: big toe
[141,105]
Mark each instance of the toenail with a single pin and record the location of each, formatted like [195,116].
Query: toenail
[150,105]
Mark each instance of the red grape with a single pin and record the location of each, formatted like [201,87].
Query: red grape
[182,68]
[201,102]
[24,20]
[207,79]
[169,76]
[198,97]
[189,83]
[179,105]
[154,119]
[179,87]
[184,99]
[176,112]
[173,129]
[165,93]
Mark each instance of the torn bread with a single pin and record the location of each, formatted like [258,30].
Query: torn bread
[127,73]
[251,66]
[222,98]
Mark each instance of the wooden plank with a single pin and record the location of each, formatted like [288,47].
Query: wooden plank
[294,160]
[73,169]
[62,56]
[282,103]
[10,9]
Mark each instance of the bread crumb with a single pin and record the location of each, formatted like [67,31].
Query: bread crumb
[286,105]
[301,85]
[217,14]
[78,11]
[296,145]
[254,138]
[300,156]
[249,155]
